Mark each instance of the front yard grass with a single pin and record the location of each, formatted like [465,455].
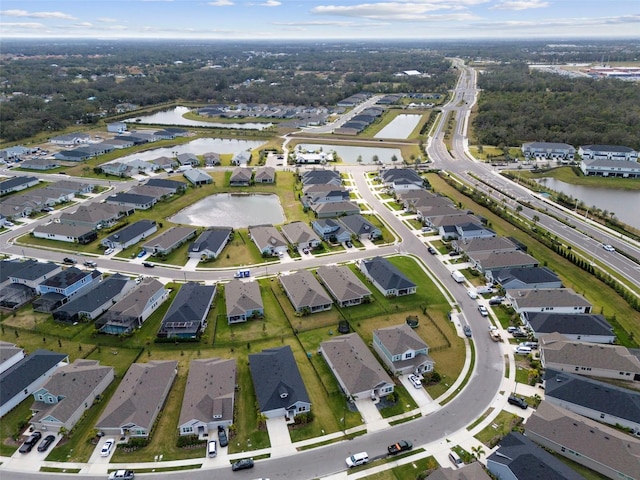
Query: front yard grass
[504,423]
[407,471]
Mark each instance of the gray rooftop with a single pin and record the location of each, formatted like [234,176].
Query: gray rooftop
[189,308]
[241,297]
[386,274]
[299,232]
[501,260]
[304,290]
[590,355]
[131,231]
[170,238]
[547,297]
[67,277]
[398,339]
[34,270]
[211,239]
[96,296]
[342,283]
[570,324]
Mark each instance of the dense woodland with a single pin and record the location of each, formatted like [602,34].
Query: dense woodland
[78,82]
[519,105]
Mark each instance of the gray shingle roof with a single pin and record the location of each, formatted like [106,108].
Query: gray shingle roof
[527,275]
[96,296]
[169,238]
[304,290]
[130,198]
[547,297]
[342,283]
[299,232]
[66,278]
[130,232]
[35,270]
[569,324]
[189,308]
[211,239]
[10,268]
[397,339]
[386,274]
[241,297]
[609,357]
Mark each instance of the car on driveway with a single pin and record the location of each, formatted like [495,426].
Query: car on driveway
[106,448]
[46,443]
[519,334]
[69,260]
[222,436]
[109,251]
[242,464]
[467,330]
[518,402]
[348,244]
[142,253]
[30,442]
[415,381]
[483,310]
[472,294]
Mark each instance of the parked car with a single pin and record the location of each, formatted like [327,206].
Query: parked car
[432,251]
[472,294]
[48,209]
[30,442]
[142,253]
[122,475]
[69,260]
[109,251]
[483,310]
[222,436]
[512,328]
[148,265]
[496,300]
[519,334]
[401,446]
[242,464]
[9,224]
[106,448]
[46,443]
[415,381]
[467,330]
[518,402]
[343,326]
[90,263]
[348,244]
[357,459]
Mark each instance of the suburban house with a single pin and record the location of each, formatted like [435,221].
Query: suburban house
[321,176]
[523,278]
[159,193]
[311,157]
[95,215]
[132,310]
[315,194]
[557,300]
[243,301]
[15,184]
[132,200]
[9,268]
[197,176]
[335,209]
[165,163]
[211,159]
[64,232]
[473,246]
[265,175]
[490,262]
[69,186]
[469,230]
[169,240]
[40,164]
[386,277]
[330,230]
[606,450]
[471,471]
[93,302]
[174,185]
[446,224]
[140,396]
[24,377]
[241,158]
[518,458]
[187,315]
[188,159]
[13,210]
[583,327]
[402,350]
[268,239]
[360,227]
[65,284]
[357,371]
[241,177]
[398,179]
[130,234]
[427,214]
[343,285]
[116,127]
[608,152]
[300,235]
[33,273]
[278,384]
[414,200]
[594,360]
[208,397]
[305,292]
[210,243]
[599,401]
[117,169]
[548,151]
[611,168]
[71,139]
[10,354]
[68,394]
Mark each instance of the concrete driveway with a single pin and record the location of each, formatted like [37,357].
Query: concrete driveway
[420,396]
[279,437]
[370,415]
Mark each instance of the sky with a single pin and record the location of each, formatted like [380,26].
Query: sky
[320,19]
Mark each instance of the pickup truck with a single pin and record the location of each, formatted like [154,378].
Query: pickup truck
[401,446]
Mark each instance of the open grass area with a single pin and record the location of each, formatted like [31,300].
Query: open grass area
[409,471]
[570,175]
[502,424]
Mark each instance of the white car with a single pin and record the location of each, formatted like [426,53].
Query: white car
[415,381]
[472,294]
[106,448]
[609,248]
[483,310]
[9,224]
[122,475]
[109,251]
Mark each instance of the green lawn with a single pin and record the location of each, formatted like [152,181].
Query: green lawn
[569,175]
[502,425]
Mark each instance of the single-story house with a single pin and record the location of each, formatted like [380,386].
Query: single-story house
[490,262]
[474,246]
[305,292]
[140,396]
[93,302]
[268,239]
[139,202]
[241,177]
[608,451]
[40,164]
[331,230]
[159,193]
[335,209]
[132,310]
[130,234]
[116,127]
[321,176]
[360,227]
[583,327]
[174,185]
[241,158]
[469,230]
[316,194]
[210,243]
[211,159]
[68,394]
[386,277]
[343,285]
[190,159]
[197,176]
[401,179]
[187,315]
[27,375]
[70,186]
[599,401]
[243,301]
[278,384]
[300,235]
[402,350]
[33,273]
[71,139]
[265,175]
[523,278]
[594,360]
[117,169]
[95,215]
[556,300]
[208,397]
[169,240]
[412,200]
[357,371]
[166,163]
[16,184]
[64,232]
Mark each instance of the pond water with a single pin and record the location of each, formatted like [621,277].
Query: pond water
[350,154]
[175,117]
[232,210]
[197,147]
[399,127]
[624,203]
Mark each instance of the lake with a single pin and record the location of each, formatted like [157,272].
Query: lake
[349,154]
[175,117]
[399,127]
[197,147]
[232,210]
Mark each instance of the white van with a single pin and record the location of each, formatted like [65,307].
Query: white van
[522,350]
[357,459]
[213,448]
[455,458]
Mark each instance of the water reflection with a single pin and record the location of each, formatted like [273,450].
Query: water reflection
[197,147]
[399,127]
[350,154]
[175,117]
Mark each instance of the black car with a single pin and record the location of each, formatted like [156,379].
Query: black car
[432,250]
[343,326]
[148,265]
[69,261]
[46,443]
[242,464]
[518,402]
[222,436]
[467,331]
[519,334]
[30,442]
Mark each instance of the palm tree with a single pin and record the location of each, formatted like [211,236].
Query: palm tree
[477,452]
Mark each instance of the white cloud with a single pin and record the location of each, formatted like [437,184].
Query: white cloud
[82,25]
[220,3]
[24,13]
[107,20]
[22,25]
[576,22]
[405,11]
[520,5]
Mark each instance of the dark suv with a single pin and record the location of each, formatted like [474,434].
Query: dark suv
[222,436]
[30,442]
[518,402]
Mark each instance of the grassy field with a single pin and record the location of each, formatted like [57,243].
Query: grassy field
[502,424]
[569,175]
[409,471]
